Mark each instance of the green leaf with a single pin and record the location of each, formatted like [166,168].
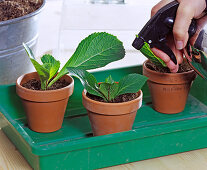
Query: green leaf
[50,64]
[87,79]
[28,50]
[204,61]
[42,72]
[131,83]
[109,80]
[109,90]
[46,71]
[147,52]
[200,66]
[97,50]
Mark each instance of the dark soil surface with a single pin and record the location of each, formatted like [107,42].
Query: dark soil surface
[184,67]
[36,85]
[119,99]
[10,9]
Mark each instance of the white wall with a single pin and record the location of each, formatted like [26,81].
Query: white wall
[63,27]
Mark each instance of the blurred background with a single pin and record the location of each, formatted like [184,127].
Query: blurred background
[64,23]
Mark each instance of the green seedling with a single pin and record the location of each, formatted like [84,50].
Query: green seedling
[109,89]
[95,51]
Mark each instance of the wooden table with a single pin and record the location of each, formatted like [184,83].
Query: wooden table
[11,159]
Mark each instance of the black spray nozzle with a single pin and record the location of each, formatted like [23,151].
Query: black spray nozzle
[138,43]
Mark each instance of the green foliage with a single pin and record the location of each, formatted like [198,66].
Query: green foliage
[50,64]
[42,72]
[201,65]
[109,89]
[97,50]
[45,71]
[88,81]
[131,83]
[147,52]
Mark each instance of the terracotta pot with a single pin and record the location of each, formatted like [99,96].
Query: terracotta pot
[44,109]
[169,91]
[108,118]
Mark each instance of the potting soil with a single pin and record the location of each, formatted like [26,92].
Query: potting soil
[119,99]
[10,9]
[36,85]
[183,67]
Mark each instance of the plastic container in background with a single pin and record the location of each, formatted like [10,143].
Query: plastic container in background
[13,58]
[81,18]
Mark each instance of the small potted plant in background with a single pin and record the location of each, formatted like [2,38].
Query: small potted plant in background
[45,93]
[111,106]
[169,91]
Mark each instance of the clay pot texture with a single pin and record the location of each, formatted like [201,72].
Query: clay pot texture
[169,91]
[44,109]
[108,118]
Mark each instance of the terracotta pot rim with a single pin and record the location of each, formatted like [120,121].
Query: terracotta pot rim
[171,74]
[19,79]
[43,96]
[111,104]
[168,78]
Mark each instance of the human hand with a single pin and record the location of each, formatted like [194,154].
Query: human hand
[187,10]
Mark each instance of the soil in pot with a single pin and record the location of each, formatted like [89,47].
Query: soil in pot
[108,118]
[169,91]
[122,98]
[10,9]
[183,67]
[44,109]
[34,84]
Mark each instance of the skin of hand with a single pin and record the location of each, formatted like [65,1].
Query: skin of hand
[187,10]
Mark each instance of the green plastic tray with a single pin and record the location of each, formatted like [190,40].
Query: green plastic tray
[73,147]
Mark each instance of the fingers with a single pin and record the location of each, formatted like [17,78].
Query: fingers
[187,10]
[177,53]
[159,5]
[173,68]
[185,14]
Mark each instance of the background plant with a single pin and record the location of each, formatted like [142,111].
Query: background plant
[109,89]
[97,50]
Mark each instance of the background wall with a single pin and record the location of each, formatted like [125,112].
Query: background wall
[64,23]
